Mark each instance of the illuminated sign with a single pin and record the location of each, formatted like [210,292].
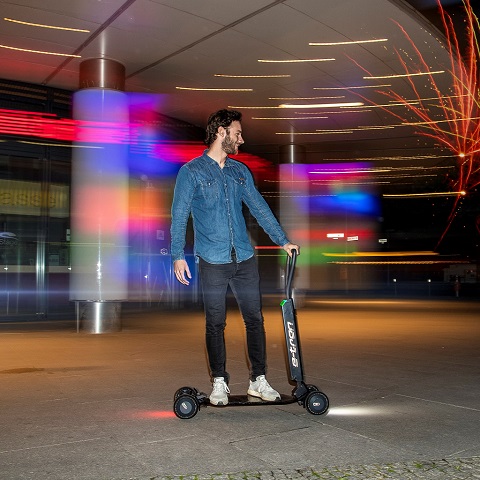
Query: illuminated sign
[26,198]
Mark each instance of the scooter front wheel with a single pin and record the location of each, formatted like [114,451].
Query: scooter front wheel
[316,403]
[186,406]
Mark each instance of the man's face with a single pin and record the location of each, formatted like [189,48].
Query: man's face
[233,138]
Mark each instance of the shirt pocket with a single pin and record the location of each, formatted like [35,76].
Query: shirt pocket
[240,185]
[210,191]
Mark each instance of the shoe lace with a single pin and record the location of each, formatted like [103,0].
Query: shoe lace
[263,385]
[219,386]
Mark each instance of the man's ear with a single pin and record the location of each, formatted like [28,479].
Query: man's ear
[221,131]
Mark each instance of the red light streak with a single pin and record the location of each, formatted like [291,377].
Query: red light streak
[160,414]
[458,129]
[50,126]
[154,414]
[33,124]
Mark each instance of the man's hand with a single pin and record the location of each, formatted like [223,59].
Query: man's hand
[180,267]
[288,247]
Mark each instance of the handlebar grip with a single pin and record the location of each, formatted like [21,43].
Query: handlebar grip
[290,268]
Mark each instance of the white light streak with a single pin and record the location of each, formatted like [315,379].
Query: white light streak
[288,118]
[322,105]
[430,194]
[400,157]
[39,51]
[216,89]
[302,60]
[251,76]
[356,129]
[350,170]
[351,88]
[401,104]
[46,26]
[336,112]
[403,75]
[352,42]
[305,98]
[253,107]
[329,132]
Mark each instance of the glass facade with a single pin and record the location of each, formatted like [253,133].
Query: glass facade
[34,203]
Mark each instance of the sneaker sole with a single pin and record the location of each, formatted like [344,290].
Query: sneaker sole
[259,395]
[220,403]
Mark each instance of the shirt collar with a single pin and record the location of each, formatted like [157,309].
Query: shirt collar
[209,159]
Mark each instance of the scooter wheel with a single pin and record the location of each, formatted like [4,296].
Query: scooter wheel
[186,406]
[316,403]
[185,391]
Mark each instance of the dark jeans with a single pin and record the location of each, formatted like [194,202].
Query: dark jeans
[244,281]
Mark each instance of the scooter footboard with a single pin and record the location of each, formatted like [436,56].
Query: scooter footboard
[292,340]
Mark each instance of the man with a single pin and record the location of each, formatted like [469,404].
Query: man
[212,188]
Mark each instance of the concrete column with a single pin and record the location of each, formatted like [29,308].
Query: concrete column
[99,196]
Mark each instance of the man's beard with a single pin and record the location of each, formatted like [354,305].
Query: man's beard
[229,146]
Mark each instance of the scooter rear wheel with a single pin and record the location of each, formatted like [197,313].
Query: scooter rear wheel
[316,403]
[186,406]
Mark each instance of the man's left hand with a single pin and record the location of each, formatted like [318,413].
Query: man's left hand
[288,247]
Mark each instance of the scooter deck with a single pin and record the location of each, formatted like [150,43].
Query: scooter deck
[247,400]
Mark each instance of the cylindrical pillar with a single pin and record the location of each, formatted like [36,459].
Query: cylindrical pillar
[102,73]
[100,317]
[293,153]
[99,206]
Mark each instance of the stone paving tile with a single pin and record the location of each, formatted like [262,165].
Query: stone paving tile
[451,469]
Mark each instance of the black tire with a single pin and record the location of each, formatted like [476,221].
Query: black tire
[312,388]
[185,391]
[316,403]
[186,406]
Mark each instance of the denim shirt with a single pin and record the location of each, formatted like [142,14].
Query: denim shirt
[214,197]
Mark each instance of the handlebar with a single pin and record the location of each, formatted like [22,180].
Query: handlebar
[289,271]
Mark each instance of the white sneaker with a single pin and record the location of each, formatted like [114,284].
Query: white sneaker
[219,392]
[261,388]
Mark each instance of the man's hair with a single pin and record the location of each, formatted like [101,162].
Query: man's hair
[222,118]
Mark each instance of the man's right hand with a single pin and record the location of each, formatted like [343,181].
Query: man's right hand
[180,267]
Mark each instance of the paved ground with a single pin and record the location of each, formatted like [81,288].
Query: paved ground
[402,378]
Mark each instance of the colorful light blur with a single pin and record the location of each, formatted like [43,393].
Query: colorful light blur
[327,209]
[153,148]
[99,197]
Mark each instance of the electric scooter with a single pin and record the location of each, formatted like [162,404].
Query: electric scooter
[188,400]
